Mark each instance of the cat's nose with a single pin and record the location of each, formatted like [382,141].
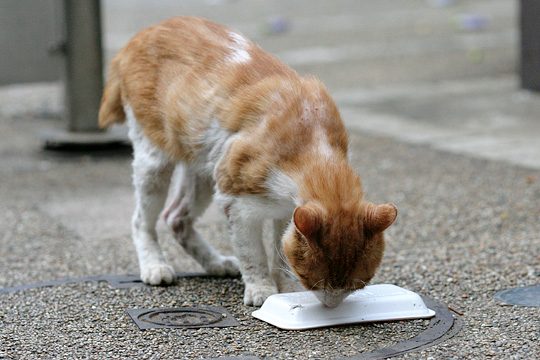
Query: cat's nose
[332,303]
[331,298]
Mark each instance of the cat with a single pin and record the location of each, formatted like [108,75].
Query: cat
[241,128]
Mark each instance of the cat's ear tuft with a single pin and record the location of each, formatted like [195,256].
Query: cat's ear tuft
[378,218]
[307,221]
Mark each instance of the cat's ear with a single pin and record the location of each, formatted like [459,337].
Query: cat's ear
[307,221]
[378,218]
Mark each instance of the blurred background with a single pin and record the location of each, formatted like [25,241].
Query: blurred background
[348,43]
[448,73]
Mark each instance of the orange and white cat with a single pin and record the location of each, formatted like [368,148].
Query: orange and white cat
[240,127]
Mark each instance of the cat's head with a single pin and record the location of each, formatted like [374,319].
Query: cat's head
[336,252]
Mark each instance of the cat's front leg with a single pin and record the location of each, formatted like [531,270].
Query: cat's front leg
[246,236]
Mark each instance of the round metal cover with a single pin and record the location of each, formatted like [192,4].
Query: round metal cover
[182,317]
[523,296]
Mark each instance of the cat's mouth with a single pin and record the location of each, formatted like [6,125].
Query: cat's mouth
[331,298]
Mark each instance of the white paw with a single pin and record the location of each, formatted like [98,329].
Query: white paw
[255,294]
[157,274]
[223,266]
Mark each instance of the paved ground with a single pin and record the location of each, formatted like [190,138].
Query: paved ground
[438,126]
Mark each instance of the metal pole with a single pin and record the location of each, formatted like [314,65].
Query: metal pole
[83,81]
[530,44]
[84,64]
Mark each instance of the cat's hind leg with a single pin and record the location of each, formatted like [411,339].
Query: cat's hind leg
[152,172]
[191,196]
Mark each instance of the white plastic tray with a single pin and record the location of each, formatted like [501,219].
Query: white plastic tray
[302,310]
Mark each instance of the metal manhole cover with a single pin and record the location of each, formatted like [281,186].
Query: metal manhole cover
[523,296]
[184,317]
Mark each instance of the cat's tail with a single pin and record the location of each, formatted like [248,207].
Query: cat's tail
[111,110]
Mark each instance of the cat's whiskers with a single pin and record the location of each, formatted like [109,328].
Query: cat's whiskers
[280,253]
[284,262]
[289,272]
[330,287]
[317,283]
[355,281]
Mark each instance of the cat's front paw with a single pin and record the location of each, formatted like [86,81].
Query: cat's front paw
[255,295]
[157,274]
[223,266]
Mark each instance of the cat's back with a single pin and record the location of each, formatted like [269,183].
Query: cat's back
[184,40]
[176,75]
[164,72]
